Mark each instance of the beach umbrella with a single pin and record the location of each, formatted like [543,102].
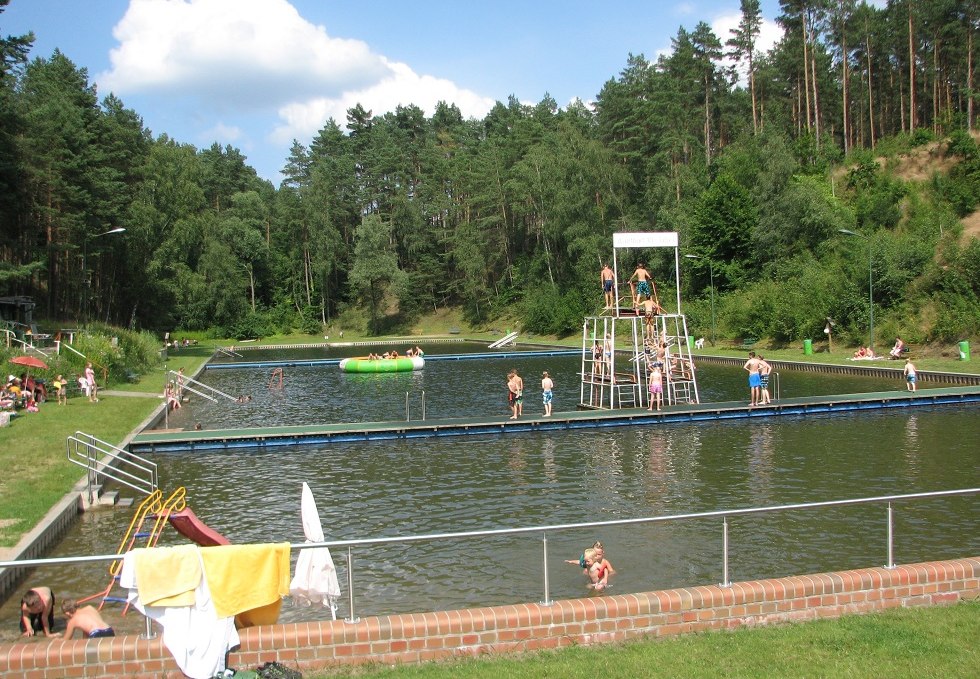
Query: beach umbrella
[315,580]
[29,362]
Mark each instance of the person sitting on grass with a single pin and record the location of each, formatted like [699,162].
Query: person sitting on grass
[87,619]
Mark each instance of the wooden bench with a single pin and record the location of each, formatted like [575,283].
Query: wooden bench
[749,342]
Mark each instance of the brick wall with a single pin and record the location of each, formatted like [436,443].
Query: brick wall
[413,638]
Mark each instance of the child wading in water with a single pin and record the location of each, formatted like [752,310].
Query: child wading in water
[594,564]
[37,612]
[86,619]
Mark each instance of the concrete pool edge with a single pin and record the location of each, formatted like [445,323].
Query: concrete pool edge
[419,637]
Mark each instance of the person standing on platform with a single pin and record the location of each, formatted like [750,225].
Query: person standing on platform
[755,379]
[656,387]
[607,278]
[515,392]
[643,289]
[764,370]
[547,385]
[910,376]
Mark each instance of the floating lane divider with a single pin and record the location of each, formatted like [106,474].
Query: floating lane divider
[237,365]
[224,439]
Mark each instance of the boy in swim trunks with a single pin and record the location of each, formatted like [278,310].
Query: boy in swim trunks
[86,619]
[755,379]
[643,279]
[607,285]
[547,385]
[515,394]
[910,378]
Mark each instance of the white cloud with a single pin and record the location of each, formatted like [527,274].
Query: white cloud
[243,57]
[302,119]
[232,53]
[222,132]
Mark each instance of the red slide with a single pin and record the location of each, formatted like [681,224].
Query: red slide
[187,524]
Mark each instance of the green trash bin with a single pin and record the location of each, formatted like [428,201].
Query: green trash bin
[964,351]
[808,347]
[690,343]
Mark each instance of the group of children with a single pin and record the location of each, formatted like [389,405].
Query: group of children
[37,616]
[595,565]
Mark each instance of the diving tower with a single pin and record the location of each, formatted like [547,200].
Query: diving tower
[622,345]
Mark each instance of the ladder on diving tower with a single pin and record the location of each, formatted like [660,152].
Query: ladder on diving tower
[618,356]
[680,380]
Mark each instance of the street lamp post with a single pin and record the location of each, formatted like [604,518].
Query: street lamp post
[871,303]
[86,281]
[711,277]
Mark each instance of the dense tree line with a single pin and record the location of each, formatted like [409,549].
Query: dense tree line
[386,216]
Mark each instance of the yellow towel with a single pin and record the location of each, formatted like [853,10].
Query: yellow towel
[245,577]
[167,576]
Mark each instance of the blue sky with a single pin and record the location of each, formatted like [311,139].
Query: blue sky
[257,74]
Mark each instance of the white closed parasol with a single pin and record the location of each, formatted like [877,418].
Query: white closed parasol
[315,580]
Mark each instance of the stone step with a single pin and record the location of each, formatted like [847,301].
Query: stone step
[125,502]
[109,498]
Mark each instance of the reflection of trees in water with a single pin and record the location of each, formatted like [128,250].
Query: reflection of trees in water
[550,468]
[517,462]
[912,442]
[761,453]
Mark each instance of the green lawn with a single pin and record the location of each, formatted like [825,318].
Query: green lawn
[913,643]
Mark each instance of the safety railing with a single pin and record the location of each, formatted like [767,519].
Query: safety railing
[723,515]
[185,383]
[104,460]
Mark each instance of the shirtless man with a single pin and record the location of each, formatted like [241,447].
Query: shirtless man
[755,379]
[86,619]
[515,394]
[547,392]
[643,280]
[764,370]
[606,278]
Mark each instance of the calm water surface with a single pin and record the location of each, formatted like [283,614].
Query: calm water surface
[393,488]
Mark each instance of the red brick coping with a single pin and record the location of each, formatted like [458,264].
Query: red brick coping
[413,638]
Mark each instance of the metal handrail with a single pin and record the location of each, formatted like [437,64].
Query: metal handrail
[103,459]
[184,382]
[724,514]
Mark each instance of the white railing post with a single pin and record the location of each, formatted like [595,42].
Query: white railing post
[547,589]
[725,582]
[352,619]
[891,561]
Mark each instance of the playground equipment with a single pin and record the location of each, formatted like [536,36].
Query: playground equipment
[150,518]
